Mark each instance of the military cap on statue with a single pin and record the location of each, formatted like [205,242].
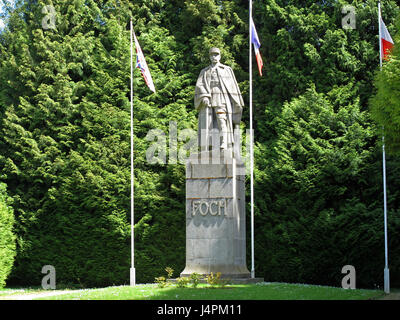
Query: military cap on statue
[214,50]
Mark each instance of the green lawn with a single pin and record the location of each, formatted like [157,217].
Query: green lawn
[262,291]
[19,291]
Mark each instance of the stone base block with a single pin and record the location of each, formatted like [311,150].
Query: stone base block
[231,280]
[215,218]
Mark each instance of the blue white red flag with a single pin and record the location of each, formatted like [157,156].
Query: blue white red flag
[256,43]
[142,65]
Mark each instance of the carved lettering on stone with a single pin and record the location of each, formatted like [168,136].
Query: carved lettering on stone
[211,207]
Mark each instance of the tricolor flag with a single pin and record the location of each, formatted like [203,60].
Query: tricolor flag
[142,65]
[386,40]
[256,43]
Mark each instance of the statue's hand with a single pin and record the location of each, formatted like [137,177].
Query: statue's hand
[206,102]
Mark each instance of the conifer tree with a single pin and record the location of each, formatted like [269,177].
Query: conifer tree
[65,143]
[7,236]
[65,135]
[385,103]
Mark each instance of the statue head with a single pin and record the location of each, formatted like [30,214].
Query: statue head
[215,55]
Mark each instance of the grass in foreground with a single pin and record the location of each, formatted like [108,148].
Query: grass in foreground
[18,291]
[26,291]
[261,291]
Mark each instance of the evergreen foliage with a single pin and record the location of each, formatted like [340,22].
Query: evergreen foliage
[385,104]
[65,136]
[7,237]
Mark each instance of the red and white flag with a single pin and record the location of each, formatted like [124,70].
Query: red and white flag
[142,65]
[386,40]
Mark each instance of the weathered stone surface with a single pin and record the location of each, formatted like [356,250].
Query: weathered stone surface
[210,170]
[232,280]
[215,221]
[240,170]
[221,188]
[188,170]
[197,188]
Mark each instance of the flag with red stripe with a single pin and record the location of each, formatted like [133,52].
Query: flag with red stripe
[256,43]
[142,65]
[386,40]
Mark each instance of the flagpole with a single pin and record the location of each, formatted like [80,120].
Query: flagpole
[132,270]
[251,142]
[386,270]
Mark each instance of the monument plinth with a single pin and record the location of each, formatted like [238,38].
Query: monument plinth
[215,216]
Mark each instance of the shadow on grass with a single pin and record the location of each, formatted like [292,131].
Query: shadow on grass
[266,291]
[271,291]
[199,293]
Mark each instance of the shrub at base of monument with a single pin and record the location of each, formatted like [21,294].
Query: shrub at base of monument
[213,280]
[182,282]
[195,279]
[164,282]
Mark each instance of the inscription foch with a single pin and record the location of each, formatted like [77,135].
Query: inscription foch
[209,206]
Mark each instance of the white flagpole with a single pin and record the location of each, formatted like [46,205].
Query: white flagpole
[132,270]
[386,270]
[251,141]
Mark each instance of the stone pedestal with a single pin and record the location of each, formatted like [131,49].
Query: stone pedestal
[215,216]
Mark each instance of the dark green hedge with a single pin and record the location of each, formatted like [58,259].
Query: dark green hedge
[65,137]
[7,236]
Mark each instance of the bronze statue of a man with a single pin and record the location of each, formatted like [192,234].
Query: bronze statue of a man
[219,102]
